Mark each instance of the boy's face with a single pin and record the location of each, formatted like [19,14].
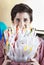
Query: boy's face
[22,20]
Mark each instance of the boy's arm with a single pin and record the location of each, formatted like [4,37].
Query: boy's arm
[40,52]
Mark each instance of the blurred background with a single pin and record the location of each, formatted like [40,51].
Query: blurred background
[36,5]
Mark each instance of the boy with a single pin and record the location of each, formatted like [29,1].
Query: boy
[21,16]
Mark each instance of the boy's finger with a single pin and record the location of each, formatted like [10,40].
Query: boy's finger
[33,63]
[5,57]
[34,60]
[8,60]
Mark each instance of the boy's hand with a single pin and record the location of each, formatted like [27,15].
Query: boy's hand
[34,62]
[6,61]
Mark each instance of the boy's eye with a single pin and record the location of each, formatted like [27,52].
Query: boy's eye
[25,19]
[18,20]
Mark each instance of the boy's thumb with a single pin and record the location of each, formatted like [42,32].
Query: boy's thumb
[5,57]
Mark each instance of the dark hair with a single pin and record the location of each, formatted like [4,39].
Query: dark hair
[18,8]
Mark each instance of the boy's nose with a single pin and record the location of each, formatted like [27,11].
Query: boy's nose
[22,24]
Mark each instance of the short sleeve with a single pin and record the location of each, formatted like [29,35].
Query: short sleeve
[40,52]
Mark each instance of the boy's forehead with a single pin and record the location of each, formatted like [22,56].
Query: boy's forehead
[22,15]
